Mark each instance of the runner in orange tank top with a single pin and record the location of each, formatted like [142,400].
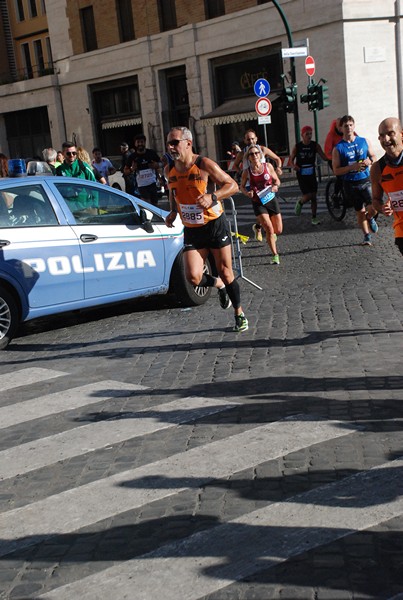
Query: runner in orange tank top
[205,226]
[387,176]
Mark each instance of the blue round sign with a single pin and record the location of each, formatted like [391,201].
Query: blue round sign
[262,88]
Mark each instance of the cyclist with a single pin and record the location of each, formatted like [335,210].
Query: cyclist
[387,175]
[303,160]
[351,159]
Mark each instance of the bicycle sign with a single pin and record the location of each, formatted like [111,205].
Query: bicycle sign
[263,107]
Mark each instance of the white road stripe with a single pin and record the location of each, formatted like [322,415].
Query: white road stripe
[87,438]
[8,381]
[84,505]
[66,400]
[211,560]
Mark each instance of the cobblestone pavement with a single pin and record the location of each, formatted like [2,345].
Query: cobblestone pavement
[148,452]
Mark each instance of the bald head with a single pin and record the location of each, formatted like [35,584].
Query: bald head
[391,136]
[391,123]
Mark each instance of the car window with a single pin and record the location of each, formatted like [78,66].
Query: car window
[26,206]
[97,206]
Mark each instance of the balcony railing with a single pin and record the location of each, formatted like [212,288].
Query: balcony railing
[27,73]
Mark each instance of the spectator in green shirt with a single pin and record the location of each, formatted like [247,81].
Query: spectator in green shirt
[73,167]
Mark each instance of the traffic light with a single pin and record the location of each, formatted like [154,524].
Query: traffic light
[289,98]
[313,96]
[303,98]
[323,97]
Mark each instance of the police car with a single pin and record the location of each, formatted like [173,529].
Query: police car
[68,244]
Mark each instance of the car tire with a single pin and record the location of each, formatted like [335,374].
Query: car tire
[8,317]
[185,293]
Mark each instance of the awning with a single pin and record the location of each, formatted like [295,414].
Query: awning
[232,111]
[121,123]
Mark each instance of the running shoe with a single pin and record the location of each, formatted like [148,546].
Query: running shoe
[367,240]
[275,260]
[223,297]
[258,232]
[373,225]
[298,208]
[315,221]
[241,323]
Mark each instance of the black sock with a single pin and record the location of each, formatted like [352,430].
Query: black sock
[207,280]
[234,293]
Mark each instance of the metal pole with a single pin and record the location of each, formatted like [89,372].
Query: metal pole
[236,246]
[399,58]
[292,62]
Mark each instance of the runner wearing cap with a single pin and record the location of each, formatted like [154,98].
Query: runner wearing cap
[303,160]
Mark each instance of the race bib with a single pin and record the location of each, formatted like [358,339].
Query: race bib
[266,195]
[307,170]
[192,214]
[146,177]
[396,200]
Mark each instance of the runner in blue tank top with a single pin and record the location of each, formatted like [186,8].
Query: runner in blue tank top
[351,160]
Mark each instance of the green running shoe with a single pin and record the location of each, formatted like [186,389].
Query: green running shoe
[241,323]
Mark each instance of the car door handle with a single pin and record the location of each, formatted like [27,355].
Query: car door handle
[4,243]
[87,237]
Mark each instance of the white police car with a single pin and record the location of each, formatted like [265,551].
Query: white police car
[67,244]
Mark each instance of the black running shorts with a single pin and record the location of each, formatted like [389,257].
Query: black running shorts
[215,234]
[271,208]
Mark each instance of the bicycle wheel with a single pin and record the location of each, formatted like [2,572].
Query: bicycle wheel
[335,200]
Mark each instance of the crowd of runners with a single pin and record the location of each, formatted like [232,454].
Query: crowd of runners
[198,186]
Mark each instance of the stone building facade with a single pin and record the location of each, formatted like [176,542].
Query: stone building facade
[121,68]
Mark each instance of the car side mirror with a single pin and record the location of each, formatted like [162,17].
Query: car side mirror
[145,223]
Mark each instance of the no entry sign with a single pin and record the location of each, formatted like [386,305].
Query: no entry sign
[310,66]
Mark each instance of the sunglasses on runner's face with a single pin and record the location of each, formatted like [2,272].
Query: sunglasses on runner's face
[254,154]
[68,153]
[175,142]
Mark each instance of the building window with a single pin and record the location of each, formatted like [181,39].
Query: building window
[26,59]
[32,8]
[125,20]
[39,59]
[43,7]
[19,8]
[49,53]
[167,14]
[88,29]
[214,8]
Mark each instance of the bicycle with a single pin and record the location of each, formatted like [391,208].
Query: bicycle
[336,200]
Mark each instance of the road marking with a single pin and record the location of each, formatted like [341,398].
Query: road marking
[8,381]
[87,438]
[65,400]
[211,560]
[84,505]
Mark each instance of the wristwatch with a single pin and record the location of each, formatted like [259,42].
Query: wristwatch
[214,198]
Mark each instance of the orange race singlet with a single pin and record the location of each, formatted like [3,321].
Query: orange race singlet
[392,184]
[186,188]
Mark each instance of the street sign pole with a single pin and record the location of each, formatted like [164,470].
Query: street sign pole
[262,90]
[310,70]
[292,62]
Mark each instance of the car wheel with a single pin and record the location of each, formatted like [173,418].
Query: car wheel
[185,293]
[8,318]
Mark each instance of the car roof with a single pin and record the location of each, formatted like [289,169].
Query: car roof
[32,179]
